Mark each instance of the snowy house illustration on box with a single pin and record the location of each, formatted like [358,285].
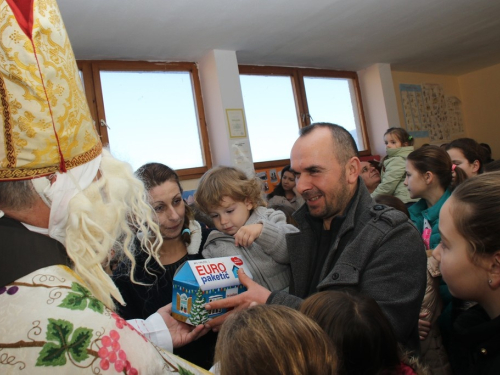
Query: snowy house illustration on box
[198,282]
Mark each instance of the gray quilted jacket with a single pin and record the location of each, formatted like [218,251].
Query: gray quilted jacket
[379,253]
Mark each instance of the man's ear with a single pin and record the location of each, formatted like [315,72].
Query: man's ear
[353,169]
[493,268]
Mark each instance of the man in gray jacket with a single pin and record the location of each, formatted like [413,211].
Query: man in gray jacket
[346,241]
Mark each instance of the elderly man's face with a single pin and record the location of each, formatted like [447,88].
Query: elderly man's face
[321,180]
[370,175]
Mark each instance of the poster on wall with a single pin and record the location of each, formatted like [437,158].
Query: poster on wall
[236,123]
[436,106]
[270,178]
[455,120]
[429,113]
[414,111]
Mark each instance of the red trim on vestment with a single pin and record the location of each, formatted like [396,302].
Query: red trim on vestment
[23,11]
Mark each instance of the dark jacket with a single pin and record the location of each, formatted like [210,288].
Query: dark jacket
[475,345]
[377,251]
[32,251]
[144,300]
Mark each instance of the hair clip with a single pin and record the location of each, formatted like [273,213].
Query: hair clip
[410,137]
[453,166]
[186,231]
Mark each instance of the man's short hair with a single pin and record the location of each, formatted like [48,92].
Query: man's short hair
[17,195]
[344,144]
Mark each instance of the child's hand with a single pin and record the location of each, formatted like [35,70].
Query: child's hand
[247,234]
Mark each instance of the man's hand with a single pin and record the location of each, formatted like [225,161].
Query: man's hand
[181,333]
[255,294]
[424,327]
[247,234]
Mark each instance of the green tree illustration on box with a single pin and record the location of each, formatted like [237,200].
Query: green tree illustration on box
[198,313]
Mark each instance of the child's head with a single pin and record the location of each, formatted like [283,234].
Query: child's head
[364,338]
[430,167]
[228,196]
[272,339]
[470,240]
[397,137]
[467,154]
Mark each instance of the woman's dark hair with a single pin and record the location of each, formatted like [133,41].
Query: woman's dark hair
[471,150]
[436,160]
[487,153]
[278,190]
[492,166]
[155,174]
[365,340]
[402,135]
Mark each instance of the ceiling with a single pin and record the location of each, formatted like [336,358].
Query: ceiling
[429,36]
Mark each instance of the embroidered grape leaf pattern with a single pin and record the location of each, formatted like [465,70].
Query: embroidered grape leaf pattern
[54,354]
[80,299]
[79,343]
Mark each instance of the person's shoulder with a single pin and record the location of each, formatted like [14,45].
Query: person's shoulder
[403,151]
[381,213]
[472,317]
[395,160]
[277,199]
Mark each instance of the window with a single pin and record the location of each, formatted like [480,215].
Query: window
[271,116]
[150,112]
[278,101]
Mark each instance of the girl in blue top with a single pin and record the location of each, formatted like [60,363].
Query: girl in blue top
[429,176]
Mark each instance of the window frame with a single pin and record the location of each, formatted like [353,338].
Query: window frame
[297,78]
[93,90]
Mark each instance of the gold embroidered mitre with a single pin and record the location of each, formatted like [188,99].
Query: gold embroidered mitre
[46,122]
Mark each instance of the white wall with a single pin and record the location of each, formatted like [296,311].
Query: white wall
[379,103]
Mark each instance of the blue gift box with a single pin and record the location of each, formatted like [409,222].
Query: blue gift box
[198,282]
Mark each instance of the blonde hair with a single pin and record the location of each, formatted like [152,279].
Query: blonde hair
[476,212]
[104,216]
[272,339]
[220,182]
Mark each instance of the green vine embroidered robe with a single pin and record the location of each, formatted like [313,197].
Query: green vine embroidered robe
[51,324]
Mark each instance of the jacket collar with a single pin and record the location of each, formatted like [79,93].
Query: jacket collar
[431,213]
[401,151]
